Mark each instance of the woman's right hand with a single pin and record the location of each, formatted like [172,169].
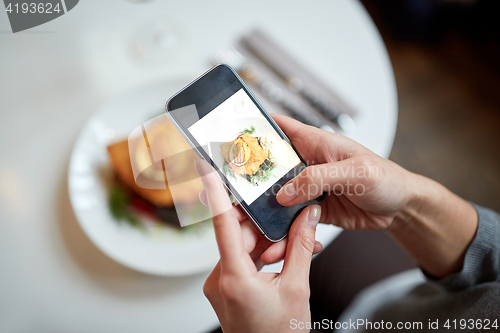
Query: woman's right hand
[363,190]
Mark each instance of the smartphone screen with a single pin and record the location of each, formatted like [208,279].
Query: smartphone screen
[238,137]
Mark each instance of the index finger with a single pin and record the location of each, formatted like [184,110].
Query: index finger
[306,139]
[226,225]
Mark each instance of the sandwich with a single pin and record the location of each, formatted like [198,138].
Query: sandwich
[128,201]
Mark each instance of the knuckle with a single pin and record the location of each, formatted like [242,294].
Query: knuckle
[208,289]
[369,167]
[365,162]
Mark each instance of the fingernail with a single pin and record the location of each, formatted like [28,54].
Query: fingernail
[314,215]
[287,193]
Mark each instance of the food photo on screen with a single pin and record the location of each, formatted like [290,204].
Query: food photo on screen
[244,145]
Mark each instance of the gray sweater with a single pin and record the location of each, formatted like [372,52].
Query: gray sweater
[472,294]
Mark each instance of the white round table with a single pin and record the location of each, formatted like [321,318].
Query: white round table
[53,279]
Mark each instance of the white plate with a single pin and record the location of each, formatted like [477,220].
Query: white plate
[160,249]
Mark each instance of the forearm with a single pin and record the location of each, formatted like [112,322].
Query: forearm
[436,227]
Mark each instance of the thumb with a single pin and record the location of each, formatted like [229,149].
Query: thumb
[300,246]
[316,179]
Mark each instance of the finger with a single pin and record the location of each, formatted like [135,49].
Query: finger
[256,256]
[306,139]
[301,246]
[240,216]
[338,177]
[255,244]
[226,225]
[276,252]
[316,145]
[318,247]
[250,236]
[309,141]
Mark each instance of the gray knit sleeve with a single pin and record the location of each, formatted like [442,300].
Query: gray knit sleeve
[482,260]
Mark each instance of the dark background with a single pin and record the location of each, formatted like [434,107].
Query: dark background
[445,56]
[446,60]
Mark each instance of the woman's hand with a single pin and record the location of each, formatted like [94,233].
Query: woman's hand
[366,191]
[245,299]
[262,251]
[363,190]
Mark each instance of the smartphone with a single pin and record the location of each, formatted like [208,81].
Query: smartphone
[225,124]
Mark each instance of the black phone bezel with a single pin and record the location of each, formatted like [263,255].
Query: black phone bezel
[200,92]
